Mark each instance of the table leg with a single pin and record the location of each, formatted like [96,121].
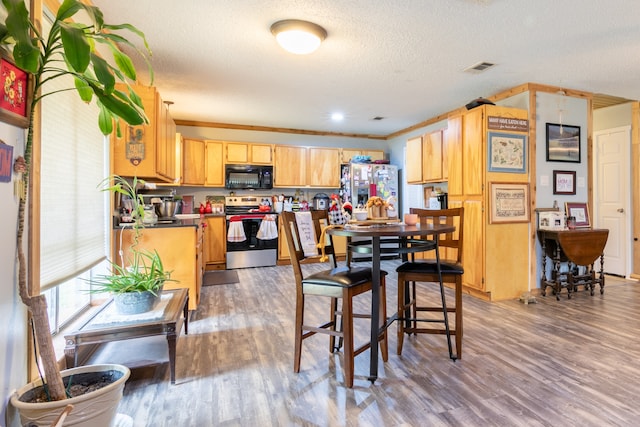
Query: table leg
[375,308]
[186,316]
[171,341]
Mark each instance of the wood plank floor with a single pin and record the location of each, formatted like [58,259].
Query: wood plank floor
[554,363]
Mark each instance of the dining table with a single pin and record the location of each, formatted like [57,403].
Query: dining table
[409,238]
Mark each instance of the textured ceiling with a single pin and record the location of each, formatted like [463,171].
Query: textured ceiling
[402,60]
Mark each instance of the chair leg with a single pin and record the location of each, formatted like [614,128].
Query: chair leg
[445,312]
[401,312]
[347,320]
[334,320]
[298,332]
[384,344]
[458,312]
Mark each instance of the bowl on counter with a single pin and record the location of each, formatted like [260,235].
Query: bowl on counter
[360,215]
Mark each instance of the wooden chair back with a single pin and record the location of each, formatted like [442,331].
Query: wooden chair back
[451,241]
[320,220]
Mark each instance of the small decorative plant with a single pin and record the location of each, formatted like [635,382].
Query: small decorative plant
[142,270]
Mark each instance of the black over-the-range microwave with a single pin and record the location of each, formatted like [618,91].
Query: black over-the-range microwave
[246,177]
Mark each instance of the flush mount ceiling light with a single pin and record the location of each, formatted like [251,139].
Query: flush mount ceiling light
[299,37]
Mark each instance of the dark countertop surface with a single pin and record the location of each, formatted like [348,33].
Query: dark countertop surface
[177,223]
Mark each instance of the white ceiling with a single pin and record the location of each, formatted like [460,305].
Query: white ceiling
[402,60]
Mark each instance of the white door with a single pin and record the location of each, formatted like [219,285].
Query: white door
[612,198]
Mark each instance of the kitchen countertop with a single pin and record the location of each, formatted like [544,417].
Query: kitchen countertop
[178,223]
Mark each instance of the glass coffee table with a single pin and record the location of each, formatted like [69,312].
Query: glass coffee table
[107,325]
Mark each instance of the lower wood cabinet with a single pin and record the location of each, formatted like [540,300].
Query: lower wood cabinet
[180,249]
[215,243]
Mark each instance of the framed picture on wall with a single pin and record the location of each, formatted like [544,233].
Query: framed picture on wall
[564,182]
[563,143]
[580,211]
[507,152]
[509,202]
[14,100]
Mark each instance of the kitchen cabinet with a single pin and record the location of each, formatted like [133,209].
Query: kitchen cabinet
[180,249]
[214,169]
[202,163]
[306,167]
[424,162]
[324,167]
[147,151]
[414,160]
[495,256]
[215,242]
[346,154]
[432,157]
[290,166]
[248,153]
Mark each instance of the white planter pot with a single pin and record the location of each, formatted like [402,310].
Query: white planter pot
[97,408]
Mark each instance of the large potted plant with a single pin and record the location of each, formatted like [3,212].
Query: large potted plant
[68,50]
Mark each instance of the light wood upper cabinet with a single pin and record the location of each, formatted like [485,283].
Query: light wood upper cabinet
[432,157]
[248,153]
[214,169]
[290,166]
[147,151]
[472,152]
[324,167]
[453,149]
[202,163]
[193,170]
[414,160]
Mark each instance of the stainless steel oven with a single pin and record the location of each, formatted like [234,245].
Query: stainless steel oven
[252,236]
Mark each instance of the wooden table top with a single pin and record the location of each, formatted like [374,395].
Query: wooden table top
[582,246]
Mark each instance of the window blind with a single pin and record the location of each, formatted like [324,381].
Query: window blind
[72,207]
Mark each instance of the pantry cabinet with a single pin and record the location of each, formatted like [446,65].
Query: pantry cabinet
[202,163]
[486,274]
[215,242]
[147,151]
[248,153]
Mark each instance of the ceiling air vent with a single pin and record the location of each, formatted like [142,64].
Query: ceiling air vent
[479,67]
[378,118]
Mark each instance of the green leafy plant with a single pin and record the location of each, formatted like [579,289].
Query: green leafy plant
[142,270]
[68,50]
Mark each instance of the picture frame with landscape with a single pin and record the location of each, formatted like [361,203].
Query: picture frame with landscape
[563,143]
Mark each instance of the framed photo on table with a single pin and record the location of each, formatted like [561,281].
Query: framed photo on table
[580,211]
[509,202]
[564,182]
[563,143]
[15,101]
[507,153]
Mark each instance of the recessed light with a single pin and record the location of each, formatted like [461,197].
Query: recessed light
[337,117]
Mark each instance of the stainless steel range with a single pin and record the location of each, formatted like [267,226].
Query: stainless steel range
[252,232]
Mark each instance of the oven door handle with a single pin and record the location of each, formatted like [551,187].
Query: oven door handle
[235,218]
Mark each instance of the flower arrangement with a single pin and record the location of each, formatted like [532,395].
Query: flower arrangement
[377,202]
[377,207]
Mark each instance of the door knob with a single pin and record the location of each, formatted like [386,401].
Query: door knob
[621,210]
